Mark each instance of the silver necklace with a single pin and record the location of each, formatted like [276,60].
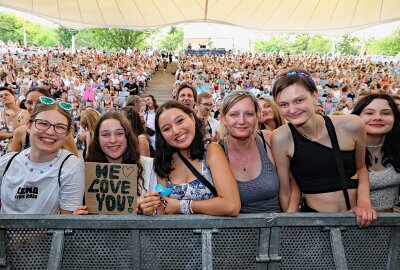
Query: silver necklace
[374,146]
[243,162]
[311,139]
[375,154]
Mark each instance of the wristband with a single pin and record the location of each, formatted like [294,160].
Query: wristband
[186,207]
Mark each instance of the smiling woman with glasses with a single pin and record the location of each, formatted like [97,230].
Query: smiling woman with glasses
[20,137]
[43,179]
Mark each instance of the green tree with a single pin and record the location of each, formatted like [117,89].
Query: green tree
[65,36]
[47,38]
[119,38]
[319,44]
[300,44]
[11,28]
[273,44]
[173,40]
[84,39]
[348,45]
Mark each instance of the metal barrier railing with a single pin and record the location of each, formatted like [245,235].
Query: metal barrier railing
[259,241]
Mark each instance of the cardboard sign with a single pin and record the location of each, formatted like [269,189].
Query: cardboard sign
[111,188]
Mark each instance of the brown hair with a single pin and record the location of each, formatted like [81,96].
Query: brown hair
[7,89]
[131,155]
[202,96]
[41,107]
[186,85]
[293,76]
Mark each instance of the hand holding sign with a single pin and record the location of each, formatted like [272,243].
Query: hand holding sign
[111,188]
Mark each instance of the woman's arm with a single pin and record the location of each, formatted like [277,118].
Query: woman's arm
[228,201]
[365,214]
[279,144]
[15,144]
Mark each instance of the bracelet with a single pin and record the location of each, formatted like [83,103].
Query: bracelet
[186,207]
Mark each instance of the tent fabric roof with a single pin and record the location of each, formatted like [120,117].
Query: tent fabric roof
[329,17]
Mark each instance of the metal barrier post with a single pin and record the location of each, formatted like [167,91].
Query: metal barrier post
[393,261]
[3,250]
[135,240]
[206,247]
[339,256]
[263,258]
[56,250]
[274,245]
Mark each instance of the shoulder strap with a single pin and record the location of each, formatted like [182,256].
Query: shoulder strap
[9,163]
[59,172]
[264,140]
[338,158]
[202,179]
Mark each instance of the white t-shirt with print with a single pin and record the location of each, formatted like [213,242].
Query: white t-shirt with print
[24,190]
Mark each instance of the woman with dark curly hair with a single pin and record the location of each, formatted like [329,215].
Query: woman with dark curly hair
[198,175]
[382,123]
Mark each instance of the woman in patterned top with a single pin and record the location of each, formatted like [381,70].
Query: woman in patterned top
[211,190]
[381,118]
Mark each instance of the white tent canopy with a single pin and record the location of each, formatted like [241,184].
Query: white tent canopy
[329,17]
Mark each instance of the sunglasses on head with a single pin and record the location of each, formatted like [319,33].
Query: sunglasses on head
[49,101]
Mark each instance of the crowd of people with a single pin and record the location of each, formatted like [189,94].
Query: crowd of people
[243,133]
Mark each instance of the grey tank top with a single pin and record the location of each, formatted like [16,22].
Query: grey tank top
[260,195]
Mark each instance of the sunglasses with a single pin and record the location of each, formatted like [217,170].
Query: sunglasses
[49,101]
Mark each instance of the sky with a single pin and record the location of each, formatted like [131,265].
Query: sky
[225,35]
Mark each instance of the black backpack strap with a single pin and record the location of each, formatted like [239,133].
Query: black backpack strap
[264,141]
[9,163]
[59,172]
[202,179]
[338,158]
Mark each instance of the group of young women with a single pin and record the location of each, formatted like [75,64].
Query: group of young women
[324,164]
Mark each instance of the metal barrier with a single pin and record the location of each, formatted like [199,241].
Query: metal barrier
[262,241]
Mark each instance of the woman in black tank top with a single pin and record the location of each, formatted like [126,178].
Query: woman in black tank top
[305,150]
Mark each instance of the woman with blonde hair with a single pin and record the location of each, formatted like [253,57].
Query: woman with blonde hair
[270,117]
[89,119]
[249,154]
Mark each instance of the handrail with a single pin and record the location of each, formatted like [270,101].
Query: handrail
[189,222]
[261,241]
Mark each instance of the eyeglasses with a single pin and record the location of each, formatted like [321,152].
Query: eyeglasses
[44,125]
[49,101]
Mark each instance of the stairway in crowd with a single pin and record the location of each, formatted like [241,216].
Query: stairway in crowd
[161,85]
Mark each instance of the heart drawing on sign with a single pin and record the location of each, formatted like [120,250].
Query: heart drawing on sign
[127,170]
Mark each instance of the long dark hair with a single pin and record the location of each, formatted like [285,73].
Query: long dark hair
[131,155]
[155,105]
[163,155]
[134,119]
[391,145]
